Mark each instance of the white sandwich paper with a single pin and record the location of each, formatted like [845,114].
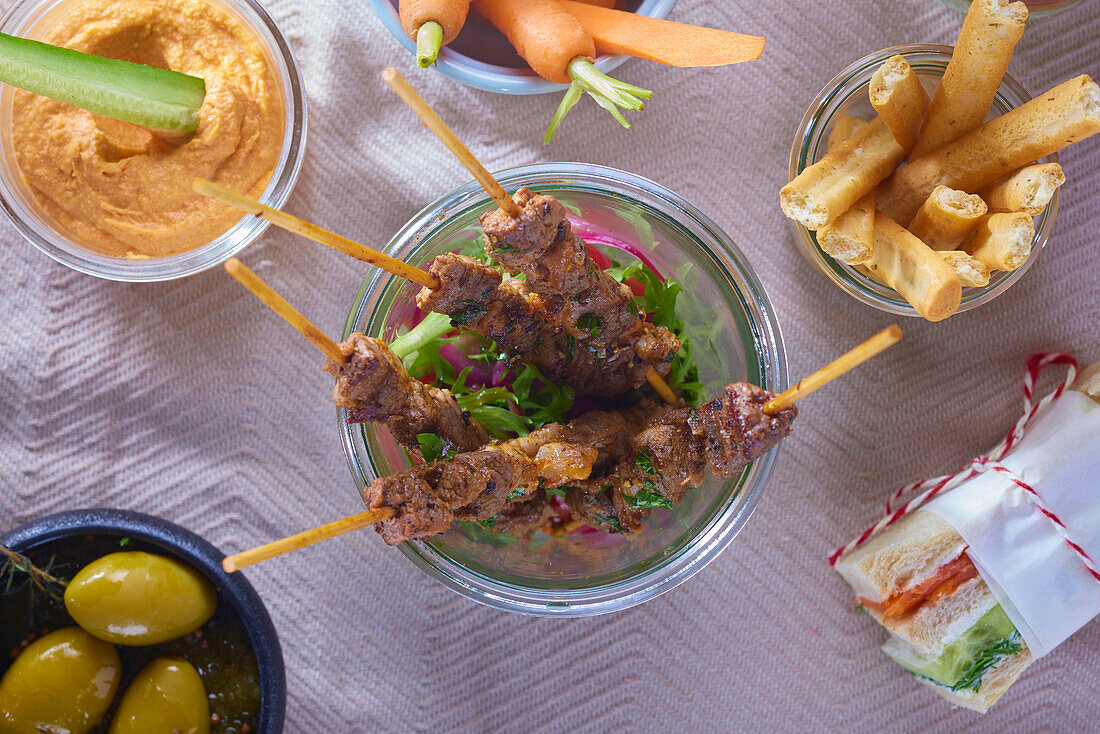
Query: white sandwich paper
[1038,579]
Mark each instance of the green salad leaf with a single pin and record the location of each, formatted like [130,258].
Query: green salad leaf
[659,303]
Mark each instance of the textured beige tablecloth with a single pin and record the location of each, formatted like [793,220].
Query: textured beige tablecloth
[190,401]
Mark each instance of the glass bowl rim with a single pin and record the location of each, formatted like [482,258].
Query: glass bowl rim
[503,79]
[238,237]
[719,529]
[842,275]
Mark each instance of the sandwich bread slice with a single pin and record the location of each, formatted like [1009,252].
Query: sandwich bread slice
[945,625]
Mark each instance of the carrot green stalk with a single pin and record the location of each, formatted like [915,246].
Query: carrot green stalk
[429,39]
[609,93]
[144,95]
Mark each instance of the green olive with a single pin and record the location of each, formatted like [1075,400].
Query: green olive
[62,683]
[166,696]
[135,598]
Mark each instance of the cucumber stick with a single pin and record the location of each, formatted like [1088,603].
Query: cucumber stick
[143,95]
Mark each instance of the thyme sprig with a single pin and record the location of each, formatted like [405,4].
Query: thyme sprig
[41,582]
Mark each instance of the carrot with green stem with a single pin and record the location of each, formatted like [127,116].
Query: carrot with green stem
[558,48]
[432,24]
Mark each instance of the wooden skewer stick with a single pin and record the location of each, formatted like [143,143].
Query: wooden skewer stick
[237,561]
[857,356]
[311,231]
[279,305]
[435,123]
[492,187]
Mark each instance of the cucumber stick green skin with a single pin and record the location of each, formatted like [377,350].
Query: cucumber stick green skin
[993,636]
[143,95]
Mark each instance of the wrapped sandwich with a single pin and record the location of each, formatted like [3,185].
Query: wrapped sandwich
[996,567]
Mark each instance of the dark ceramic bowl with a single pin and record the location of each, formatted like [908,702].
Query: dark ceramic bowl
[182,544]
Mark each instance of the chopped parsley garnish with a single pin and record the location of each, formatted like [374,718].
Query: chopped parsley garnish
[644,460]
[860,609]
[433,448]
[558,492]
[590,322]
[516,493]
[647,498]
[488,523]
[470,312]
[613,522]
[125,542]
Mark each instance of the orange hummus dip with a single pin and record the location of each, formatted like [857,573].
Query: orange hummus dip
[123,190]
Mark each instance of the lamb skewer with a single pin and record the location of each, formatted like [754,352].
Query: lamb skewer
[478,298]
[720,454]
[616,332]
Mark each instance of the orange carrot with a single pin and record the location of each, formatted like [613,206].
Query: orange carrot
[544,33]
[559,49]
[418,17]
[663,41]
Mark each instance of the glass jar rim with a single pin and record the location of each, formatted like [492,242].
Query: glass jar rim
[720,528]
[812,130]
[234,240]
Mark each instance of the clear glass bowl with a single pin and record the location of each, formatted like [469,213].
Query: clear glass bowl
[736,335]
[497,68]
[847,94]
[1035,8]
[30,18]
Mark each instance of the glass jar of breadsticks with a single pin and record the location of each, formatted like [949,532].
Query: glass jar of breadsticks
[731,323]
[846,96]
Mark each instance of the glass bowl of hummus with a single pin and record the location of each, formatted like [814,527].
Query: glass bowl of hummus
[113,199]
[735,337]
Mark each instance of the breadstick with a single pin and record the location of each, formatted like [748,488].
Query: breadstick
[899,99]
[830,187]
[844,128]
[970,270]
[1028,190]
[1002,241]
[1048,123]
[989,35]
[946,217]
[916,271]
[851,236]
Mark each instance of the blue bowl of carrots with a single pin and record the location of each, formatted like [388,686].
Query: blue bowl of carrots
[481,56]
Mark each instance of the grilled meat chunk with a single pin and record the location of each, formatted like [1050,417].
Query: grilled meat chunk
[609,346]
[373,385]
[478,485]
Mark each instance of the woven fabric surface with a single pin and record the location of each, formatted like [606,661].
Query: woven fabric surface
[190,401]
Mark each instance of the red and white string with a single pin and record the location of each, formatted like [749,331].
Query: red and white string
[930,488]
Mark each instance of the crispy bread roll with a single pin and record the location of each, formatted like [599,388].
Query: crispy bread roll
[844,128]
[1028,190]
[970,271]
[916,271]
[982,52]
[850,237]
[830,187]
[1002,241]
[899,100]
[946,217]
[1066,114]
